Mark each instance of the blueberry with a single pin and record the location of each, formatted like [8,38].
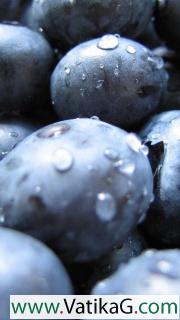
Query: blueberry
[167,21]
[162,134]
[68,23]
[28,268]
[12,131]
[9,9]
[115,78]
[171,96]
[154,272]
[26,60]
[79,185]
[149,37]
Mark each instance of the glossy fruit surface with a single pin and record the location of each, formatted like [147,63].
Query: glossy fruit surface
[162,134]
[26,61]
[28,268]
[154,272]
[67,23]
[114,78]
[75,190]
[12,131]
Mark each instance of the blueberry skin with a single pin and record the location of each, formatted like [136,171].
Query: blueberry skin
[28,267]
[154,272]
[79,185]
[12,131]
[167,22]
[149,37]
[9,9]
[68,23]
[162,134]
[26,60]
[121,84]
[171,96]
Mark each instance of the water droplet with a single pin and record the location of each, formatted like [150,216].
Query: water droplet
[54,131]
[117,35]
[145,191]
[108,42]
[131,49]
[144,149]
[82,92]
[62,160]
[41,30]
[101,66]
[105,206]
[99,84]
[67,70]
[13,134]
[166,268]
[95,118]
[116,71]
[133,142]
[149,253]
[126,167]
[156,61]
[111,154]
[4,153]
[84,77]
[38,189]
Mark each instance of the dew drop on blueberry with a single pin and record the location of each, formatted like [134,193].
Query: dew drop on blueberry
[62,160]
[125,167]
[131,49]
[99,84]
[67,70]
[108,42]
[105,206]
[111,154]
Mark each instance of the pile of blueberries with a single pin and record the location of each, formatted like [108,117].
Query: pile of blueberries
[89,147]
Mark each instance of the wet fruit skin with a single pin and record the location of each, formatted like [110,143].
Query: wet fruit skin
[28,268]
[9,9]
[133,246]
[80,193]
[26,61]
[67,23]
[114,78]
[167,22]
[154,272]
[12,131]
[162,134]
